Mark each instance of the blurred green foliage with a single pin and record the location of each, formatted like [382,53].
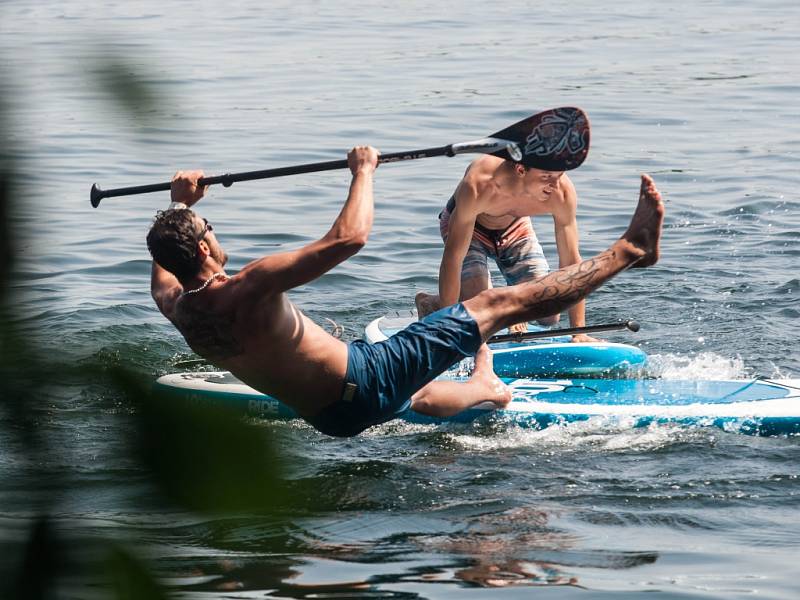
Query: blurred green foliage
[6,171]
[126,84]
[199,458]
[130,576]
[203,458]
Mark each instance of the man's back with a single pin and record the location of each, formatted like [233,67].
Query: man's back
[265,341]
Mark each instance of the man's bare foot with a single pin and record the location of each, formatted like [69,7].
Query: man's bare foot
[582,338]
[644,232]
[426,303]
[494,390]
[445,398]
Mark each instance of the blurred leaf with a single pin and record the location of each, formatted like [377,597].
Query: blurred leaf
[41,564]
[7,237]
[126,83]
[20,365]
[202,457]
[131,579]
[37,563]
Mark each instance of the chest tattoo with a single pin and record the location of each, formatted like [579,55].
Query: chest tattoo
[210,335]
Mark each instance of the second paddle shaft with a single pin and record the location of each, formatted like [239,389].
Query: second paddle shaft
[547,333]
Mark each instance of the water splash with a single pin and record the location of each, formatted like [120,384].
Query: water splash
[598,434]
[705,366]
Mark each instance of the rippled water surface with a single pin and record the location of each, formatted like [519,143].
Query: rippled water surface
[702,95]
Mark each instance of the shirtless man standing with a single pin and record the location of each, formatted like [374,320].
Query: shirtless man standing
[489,215]
[246,324]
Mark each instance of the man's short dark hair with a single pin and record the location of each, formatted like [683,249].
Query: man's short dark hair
[172,241]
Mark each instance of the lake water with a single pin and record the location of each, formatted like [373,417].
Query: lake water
[702,95]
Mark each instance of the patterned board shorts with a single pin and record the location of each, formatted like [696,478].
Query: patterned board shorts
[515,250]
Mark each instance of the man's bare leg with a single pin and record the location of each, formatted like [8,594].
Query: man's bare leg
[638,247]
[447,398]
[429,303]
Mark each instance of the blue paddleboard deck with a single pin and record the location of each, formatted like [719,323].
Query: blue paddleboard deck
[764,407]
[542,357]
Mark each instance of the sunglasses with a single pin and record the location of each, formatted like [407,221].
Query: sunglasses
[206,228]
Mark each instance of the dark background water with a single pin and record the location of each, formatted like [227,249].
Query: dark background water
[701,95]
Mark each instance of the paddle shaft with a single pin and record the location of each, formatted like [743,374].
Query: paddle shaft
[229,179]
[548,333]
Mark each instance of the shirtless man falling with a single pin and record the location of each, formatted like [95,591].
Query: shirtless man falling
[489,215]
[246,324]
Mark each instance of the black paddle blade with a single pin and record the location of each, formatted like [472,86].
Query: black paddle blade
[553,140]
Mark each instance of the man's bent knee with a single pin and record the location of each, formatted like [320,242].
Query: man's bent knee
[494,309]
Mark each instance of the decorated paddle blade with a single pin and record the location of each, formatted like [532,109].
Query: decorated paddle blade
[553,140]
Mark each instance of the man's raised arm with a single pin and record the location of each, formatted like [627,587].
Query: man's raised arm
[347,235]
[184,193]
[164,288]
[459,235]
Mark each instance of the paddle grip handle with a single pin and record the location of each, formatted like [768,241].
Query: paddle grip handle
[227,180]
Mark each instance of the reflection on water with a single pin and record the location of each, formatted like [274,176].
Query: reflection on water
[514,547]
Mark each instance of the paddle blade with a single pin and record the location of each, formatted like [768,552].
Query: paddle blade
[553,140]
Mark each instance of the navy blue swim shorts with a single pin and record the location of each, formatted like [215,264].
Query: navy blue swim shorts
[382,377]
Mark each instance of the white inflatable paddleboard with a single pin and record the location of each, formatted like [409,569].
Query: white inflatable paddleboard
[763,407]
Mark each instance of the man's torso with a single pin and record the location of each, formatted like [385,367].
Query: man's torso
[501,203]
[271,346]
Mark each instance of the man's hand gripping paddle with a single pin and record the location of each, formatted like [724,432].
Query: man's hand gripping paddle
[553,140]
